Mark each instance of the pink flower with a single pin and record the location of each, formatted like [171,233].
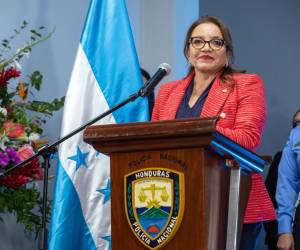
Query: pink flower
[14,130]
[25,152]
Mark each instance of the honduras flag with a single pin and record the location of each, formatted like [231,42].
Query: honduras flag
[106,72]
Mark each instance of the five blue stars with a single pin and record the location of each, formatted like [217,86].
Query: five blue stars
[79,158]
[105,192]
[108,239]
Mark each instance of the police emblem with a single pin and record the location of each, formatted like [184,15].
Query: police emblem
[154,203]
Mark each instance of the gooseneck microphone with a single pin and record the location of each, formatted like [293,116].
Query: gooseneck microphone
[163,70]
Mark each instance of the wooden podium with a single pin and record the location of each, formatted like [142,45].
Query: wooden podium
[211,198]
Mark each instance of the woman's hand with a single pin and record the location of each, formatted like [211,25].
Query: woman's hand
[286,242]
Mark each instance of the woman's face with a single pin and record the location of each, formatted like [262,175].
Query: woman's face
[207,60]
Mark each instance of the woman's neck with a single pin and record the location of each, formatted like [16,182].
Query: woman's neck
[202,80]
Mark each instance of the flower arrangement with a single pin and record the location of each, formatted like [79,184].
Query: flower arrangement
[21,120]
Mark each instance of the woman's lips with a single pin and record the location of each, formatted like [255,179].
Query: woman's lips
[206,57]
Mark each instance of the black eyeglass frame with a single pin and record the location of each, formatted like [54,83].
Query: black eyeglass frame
[209,43]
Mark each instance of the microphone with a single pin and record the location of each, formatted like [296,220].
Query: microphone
[163,70]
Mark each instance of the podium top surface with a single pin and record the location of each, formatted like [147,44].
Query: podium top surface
[143,130]
[170,134]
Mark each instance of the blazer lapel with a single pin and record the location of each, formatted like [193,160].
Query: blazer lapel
[176,97]
[216,98]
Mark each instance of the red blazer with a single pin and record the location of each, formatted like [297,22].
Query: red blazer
[240,106]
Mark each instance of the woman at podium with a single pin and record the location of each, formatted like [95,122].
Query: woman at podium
[213,87]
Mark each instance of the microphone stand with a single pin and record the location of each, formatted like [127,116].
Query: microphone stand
[47,150]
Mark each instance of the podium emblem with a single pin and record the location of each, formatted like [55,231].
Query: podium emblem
[154,203]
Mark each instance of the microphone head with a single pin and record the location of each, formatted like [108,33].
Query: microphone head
[166,67]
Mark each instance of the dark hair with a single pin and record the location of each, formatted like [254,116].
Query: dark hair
[145,74]
[228,70]
[295,120]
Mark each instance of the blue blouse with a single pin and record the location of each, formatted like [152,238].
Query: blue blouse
[184,110]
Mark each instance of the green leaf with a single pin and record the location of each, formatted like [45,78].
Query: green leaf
[36,79]
[5,43]
[35,33]
[26,204]
[58,103]
[46,108]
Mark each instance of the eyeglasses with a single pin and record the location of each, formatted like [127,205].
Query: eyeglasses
[199,43]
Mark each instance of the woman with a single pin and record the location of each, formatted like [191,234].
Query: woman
[213,88]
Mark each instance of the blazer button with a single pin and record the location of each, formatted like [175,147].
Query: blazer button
[223,115]
[224,90]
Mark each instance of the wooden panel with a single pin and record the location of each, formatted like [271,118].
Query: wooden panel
[202,227]
[193,218]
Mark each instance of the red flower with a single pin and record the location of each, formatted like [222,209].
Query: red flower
[14,181]
[6,75]
[9,109]
[19,177]
[14,130]
[32,170]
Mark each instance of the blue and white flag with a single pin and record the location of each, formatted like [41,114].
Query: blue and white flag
[106,72]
